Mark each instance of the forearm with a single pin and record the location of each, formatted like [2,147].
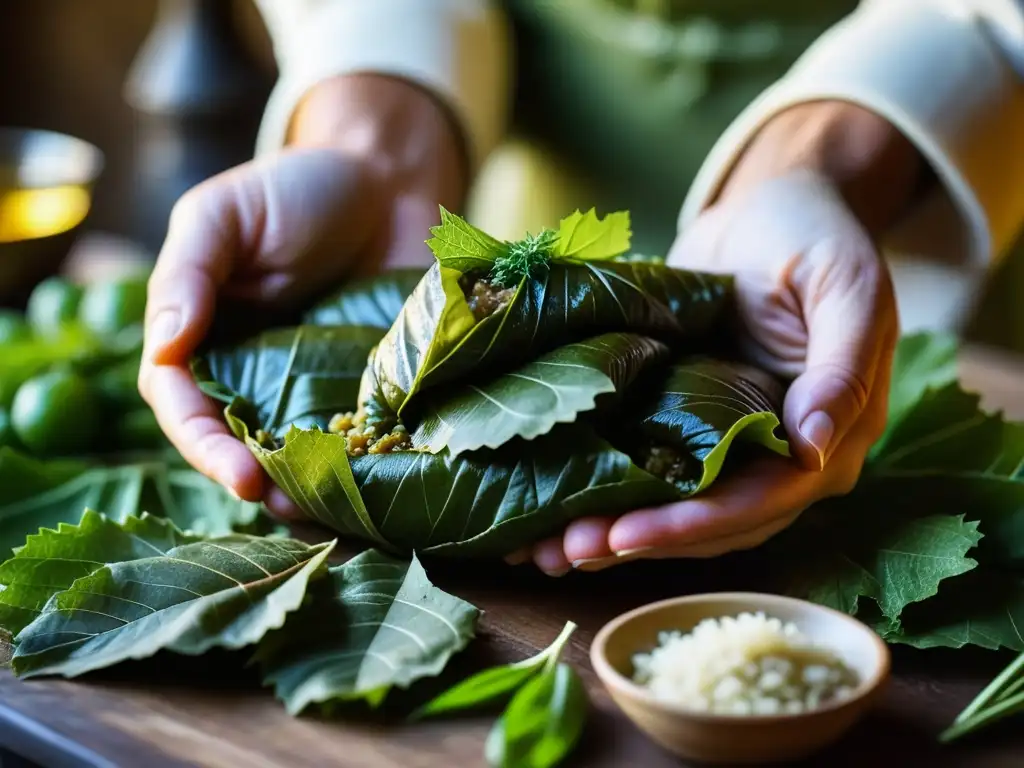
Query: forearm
[457,51]
[950,77]
[877,169]
[407,136]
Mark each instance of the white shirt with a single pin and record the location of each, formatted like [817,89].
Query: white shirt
[948,73]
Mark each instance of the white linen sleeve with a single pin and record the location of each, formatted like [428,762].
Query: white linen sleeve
[456,49]
[950,75]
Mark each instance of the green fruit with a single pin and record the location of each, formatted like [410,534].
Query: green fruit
[52,305]
[109,307]
[7,437]
[13,327]
[118,385]
[139,430]
[56,414]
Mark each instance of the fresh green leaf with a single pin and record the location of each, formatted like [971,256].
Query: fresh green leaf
[496,683]
[702,406]
[52,560]
[375,624]
[35,495]
[295,376]
[585,237]
[436,339]
[530,401]
[542,724]
[314,469]
[853,549]
[481,503]
[460,246]
[922,361]
[984,608]
[371,302]
[932,434]
[221,593]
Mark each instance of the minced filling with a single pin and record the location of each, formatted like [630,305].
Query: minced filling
[484,298]
[667,463]
[362,438]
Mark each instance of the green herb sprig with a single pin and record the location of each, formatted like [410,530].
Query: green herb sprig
[546,712]
[1002,698]
[526,258]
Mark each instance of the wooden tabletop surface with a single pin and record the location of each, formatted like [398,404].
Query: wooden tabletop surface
[173,711]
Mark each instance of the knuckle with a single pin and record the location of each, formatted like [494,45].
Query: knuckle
[851,382]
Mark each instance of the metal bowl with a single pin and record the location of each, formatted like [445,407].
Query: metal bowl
[41,160]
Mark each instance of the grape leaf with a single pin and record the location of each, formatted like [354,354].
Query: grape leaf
[375,624]
[372,302]
[226,592]
[853,548]
[585,237]
[294,376]
[52,560]
[35,494]
[458,245]
[922,361]
[703,405]
[529,401]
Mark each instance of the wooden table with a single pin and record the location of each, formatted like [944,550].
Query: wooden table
[184,712]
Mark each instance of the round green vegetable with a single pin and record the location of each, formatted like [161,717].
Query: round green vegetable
[56,414]
[109,307]
[118,385]
[53,304]
[13,327]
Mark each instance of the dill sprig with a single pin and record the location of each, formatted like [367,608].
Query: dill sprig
[528,257]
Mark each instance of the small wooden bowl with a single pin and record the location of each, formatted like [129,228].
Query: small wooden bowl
[713,738]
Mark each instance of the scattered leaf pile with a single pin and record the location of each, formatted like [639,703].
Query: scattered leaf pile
[534,382]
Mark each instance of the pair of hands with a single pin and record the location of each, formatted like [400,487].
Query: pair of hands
[814,297]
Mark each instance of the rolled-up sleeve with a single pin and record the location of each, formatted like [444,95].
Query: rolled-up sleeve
[456,49]
[950,75]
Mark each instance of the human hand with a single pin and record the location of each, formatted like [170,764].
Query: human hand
[373,160]
[817,307]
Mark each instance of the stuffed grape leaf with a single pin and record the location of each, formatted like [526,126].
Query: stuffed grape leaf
[437,339]
[703,406]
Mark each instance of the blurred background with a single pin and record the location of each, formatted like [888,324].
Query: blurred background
[167,115]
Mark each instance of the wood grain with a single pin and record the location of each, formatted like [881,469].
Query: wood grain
[210,712]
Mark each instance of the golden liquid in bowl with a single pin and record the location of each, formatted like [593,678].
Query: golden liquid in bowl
[27,214]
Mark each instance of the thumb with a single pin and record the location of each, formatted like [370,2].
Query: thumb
[850,314]
[195,261]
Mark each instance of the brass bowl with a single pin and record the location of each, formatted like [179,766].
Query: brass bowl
[45,168]
[739,739]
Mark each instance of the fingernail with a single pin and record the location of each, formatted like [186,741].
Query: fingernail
[817,429]
[558,573]
[163,329]
[591,564]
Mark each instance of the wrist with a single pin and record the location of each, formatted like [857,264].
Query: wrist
[878,171]
[407,138]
